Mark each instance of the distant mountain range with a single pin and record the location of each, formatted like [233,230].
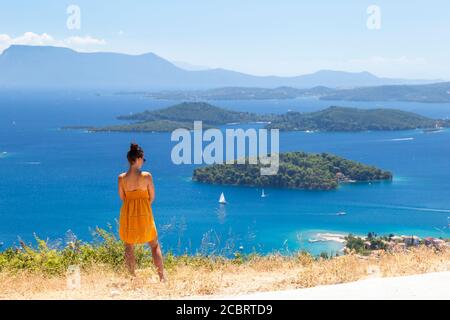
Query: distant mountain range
[55,67]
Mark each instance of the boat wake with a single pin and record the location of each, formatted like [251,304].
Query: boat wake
[419,209]
[438,210]
[400,139]
[32,163]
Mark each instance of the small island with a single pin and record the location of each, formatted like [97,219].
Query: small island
[298,170]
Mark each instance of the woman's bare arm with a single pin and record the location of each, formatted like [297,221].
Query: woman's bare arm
[150,188]
[121,191]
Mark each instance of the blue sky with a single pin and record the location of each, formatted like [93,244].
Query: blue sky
[284,37]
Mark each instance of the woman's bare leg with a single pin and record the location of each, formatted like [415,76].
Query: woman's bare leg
[130,259]
[158,259]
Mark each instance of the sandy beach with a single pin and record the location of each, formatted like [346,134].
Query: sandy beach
[323,237]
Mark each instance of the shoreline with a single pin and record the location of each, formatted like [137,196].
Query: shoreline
[312,238]
[328,237]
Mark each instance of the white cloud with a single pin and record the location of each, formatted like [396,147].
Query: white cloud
[4,38]
[44,39]
[34,39]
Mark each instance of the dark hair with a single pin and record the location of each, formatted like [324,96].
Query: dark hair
[136,152]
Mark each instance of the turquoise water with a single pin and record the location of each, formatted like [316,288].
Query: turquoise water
[53,181]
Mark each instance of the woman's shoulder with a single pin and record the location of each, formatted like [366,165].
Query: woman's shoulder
[122,175]
[146,174]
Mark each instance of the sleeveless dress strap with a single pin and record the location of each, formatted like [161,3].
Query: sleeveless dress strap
[122,182]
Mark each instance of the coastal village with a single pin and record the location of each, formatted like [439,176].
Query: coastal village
[373,244]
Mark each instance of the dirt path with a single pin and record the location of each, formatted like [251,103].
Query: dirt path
[431,286]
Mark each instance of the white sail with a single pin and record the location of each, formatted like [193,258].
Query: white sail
[222,199]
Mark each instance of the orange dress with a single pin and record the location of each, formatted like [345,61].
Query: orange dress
[137,225]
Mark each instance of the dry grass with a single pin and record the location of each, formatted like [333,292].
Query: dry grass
[220,277]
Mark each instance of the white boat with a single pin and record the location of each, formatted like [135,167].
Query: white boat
[263,194]
[342,213]
[222,199]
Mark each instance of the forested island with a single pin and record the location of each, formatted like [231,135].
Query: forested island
[149,126]
[193,111]
[240,93]
[430,93]
[353,119]
[335,118]
[298,170]
[181,115]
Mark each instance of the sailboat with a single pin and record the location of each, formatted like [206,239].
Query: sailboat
[263,194]
[222,199]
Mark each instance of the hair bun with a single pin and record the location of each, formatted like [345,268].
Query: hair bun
[134,147]
[135,153]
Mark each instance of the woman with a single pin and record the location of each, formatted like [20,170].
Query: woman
[136,218]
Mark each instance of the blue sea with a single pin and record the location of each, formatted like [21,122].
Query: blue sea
[54,183]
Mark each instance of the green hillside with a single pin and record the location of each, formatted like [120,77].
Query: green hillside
[298,170]
[352,119]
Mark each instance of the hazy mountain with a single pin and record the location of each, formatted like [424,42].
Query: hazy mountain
[40,66]
[56,67]
[341,79]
